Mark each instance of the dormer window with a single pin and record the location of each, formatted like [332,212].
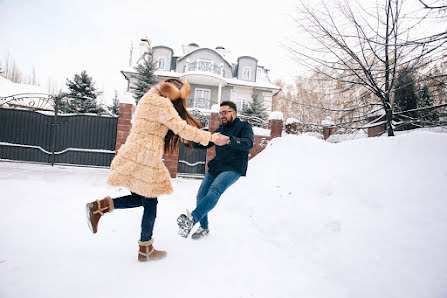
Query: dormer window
[161,62]
[246,73]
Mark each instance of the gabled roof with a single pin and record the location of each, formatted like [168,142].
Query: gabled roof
[201,49]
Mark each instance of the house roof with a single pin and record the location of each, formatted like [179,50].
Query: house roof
[165,47]
[250,57]
[201,49]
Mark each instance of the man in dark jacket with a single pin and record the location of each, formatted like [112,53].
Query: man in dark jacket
[230,163]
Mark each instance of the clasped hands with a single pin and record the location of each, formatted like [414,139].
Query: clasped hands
[219,139]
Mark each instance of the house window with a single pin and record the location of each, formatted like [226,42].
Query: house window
[161,62]
[241,101]
[202,98]
[246,72]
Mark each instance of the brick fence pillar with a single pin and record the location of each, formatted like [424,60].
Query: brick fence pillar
[171,162]
[378,129]
[214,124]
[124,124]
[275,126]
[328,131]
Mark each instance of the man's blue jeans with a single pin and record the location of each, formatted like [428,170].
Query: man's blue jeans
[209,193]
[149,214]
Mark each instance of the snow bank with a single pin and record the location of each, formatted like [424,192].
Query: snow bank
[363,218]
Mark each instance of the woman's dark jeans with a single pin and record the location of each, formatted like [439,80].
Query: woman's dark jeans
[149,214]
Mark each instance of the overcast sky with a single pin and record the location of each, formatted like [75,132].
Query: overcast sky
[61,38]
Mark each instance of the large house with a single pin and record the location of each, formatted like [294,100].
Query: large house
[213,74]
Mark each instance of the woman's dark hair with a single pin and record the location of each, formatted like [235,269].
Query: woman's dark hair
[171,139]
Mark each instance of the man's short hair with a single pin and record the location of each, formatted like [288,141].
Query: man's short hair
[230,104]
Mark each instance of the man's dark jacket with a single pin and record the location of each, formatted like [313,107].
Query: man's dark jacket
[233,156]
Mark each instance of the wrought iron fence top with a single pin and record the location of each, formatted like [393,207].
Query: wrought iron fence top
[34,101]
[255,121]
[201,117]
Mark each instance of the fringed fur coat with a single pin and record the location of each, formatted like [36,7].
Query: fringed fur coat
[138,164]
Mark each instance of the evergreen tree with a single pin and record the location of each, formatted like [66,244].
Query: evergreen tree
[145,76]
[116,104]
[255,108]
[425,100]
[405,98]
[81,97]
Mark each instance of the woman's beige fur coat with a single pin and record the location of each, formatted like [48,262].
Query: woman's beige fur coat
[138,164]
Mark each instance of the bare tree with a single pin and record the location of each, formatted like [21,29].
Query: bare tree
[2,70]
[441,6]
[346,42]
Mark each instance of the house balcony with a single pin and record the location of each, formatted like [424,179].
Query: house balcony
[204,66]
[203,73]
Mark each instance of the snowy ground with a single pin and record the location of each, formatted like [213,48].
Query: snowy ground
[363,218]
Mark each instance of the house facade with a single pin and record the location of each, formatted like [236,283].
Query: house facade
[214,75]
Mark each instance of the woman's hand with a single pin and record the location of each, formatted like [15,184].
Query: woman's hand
[219,139]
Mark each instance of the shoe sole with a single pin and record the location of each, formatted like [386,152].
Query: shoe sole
[182,224]
[198,236]
[89,214]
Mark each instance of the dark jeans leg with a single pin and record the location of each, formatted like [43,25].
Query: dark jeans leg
[149,214]
[215,190]
[203,190]
[131,201]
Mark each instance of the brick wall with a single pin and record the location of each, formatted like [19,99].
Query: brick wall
[124,124]
[328,131]
[171,159]
[260,142]
[376,131]
[171,162]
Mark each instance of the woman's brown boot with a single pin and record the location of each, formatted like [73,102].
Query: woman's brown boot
[147,252]
[97,209]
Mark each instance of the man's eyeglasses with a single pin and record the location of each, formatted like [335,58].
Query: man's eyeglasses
[224,113]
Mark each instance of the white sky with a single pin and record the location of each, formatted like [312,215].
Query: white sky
[61,38]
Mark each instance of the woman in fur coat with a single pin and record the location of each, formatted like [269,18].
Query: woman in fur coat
[160,120]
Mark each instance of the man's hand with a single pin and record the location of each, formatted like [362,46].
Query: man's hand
[220,139]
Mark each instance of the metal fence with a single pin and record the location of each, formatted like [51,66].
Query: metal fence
[57,139]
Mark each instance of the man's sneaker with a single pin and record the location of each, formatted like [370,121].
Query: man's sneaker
[185,223]
[201,232]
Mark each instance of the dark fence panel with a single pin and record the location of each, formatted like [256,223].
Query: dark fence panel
[191,162]
[27,135]
[85,139]
[75,139]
